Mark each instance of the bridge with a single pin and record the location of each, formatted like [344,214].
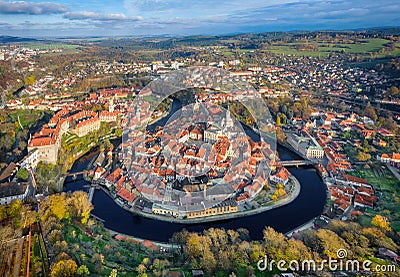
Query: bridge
[296,163]
[74,174]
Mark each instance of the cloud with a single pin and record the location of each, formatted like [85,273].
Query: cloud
[36,8]
[195,7]
[86,15]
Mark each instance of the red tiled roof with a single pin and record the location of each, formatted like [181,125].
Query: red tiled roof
[355,179]
[126,194]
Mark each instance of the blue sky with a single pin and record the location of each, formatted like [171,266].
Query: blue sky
[36,18]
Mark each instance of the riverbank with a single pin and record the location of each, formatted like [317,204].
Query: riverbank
[279,203]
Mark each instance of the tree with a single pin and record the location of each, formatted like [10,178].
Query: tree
[22,174]
[30,80]
[363,157]
[278,121]
[97,261]
[3,213]
[381,222]
[394,91]
[64,268]
[83,271]
[370,112]
[114,273]
[80,206]
[280,248]
[329,243]
[141,269]
[14,209]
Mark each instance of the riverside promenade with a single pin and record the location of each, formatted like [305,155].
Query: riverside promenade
[295,191]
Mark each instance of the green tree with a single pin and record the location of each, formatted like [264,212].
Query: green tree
[22,174]
[83,271]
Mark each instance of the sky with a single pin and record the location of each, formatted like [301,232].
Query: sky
[70,18]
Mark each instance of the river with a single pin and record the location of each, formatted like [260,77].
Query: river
[308,205]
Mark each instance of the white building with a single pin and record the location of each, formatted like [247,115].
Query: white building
[12,191]
[307,146]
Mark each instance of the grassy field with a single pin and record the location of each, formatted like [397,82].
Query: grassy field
[381,178]
[388,191]
[26,117]
[366,47]
[52,46]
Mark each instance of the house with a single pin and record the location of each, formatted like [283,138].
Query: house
[126,195]
[393,159]
[31,160]
[364,201]
[98,172]
[385,133]
[8,174]
[160,210]
[47,143]
[226,206]
[196,134]
[107,116]
[356,181]
[280,176]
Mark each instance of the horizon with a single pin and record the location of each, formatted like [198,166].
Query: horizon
[186,18]
[166,36]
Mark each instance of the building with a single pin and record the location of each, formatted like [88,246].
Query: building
[280,176]
[227,206]
[86,126]
[31,160]
[108,116]
[196,134]
[47,142]
[8,174]
[212,134]
[11,191]
[160,210]
[393,159]
[307,146]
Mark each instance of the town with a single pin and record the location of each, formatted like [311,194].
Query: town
[205,149]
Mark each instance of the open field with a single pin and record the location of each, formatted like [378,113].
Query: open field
[388,191]
[366,47]
[52,46]
[26,117]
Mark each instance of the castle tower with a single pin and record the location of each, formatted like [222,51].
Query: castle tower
[111,105]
